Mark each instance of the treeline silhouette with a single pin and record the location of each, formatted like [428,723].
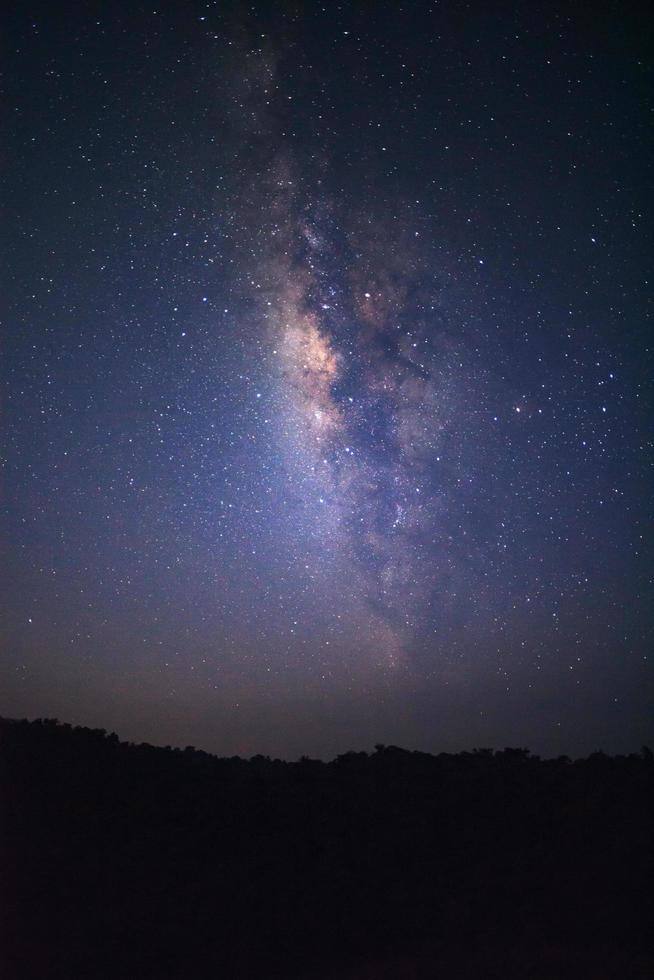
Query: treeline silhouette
[129,861]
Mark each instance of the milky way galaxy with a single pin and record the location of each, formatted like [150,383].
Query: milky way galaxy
[327,377]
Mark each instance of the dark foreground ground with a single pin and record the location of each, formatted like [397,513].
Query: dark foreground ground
[123,861]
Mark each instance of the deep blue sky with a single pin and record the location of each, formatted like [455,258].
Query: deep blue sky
[327,389]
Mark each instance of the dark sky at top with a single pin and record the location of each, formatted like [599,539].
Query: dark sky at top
[325,374]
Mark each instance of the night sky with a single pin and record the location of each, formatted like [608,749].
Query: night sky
[326,381]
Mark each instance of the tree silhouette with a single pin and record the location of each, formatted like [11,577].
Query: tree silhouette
[127,860]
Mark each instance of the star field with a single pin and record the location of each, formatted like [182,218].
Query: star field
[327,375]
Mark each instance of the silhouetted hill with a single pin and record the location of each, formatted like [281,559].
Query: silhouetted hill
[128,861]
